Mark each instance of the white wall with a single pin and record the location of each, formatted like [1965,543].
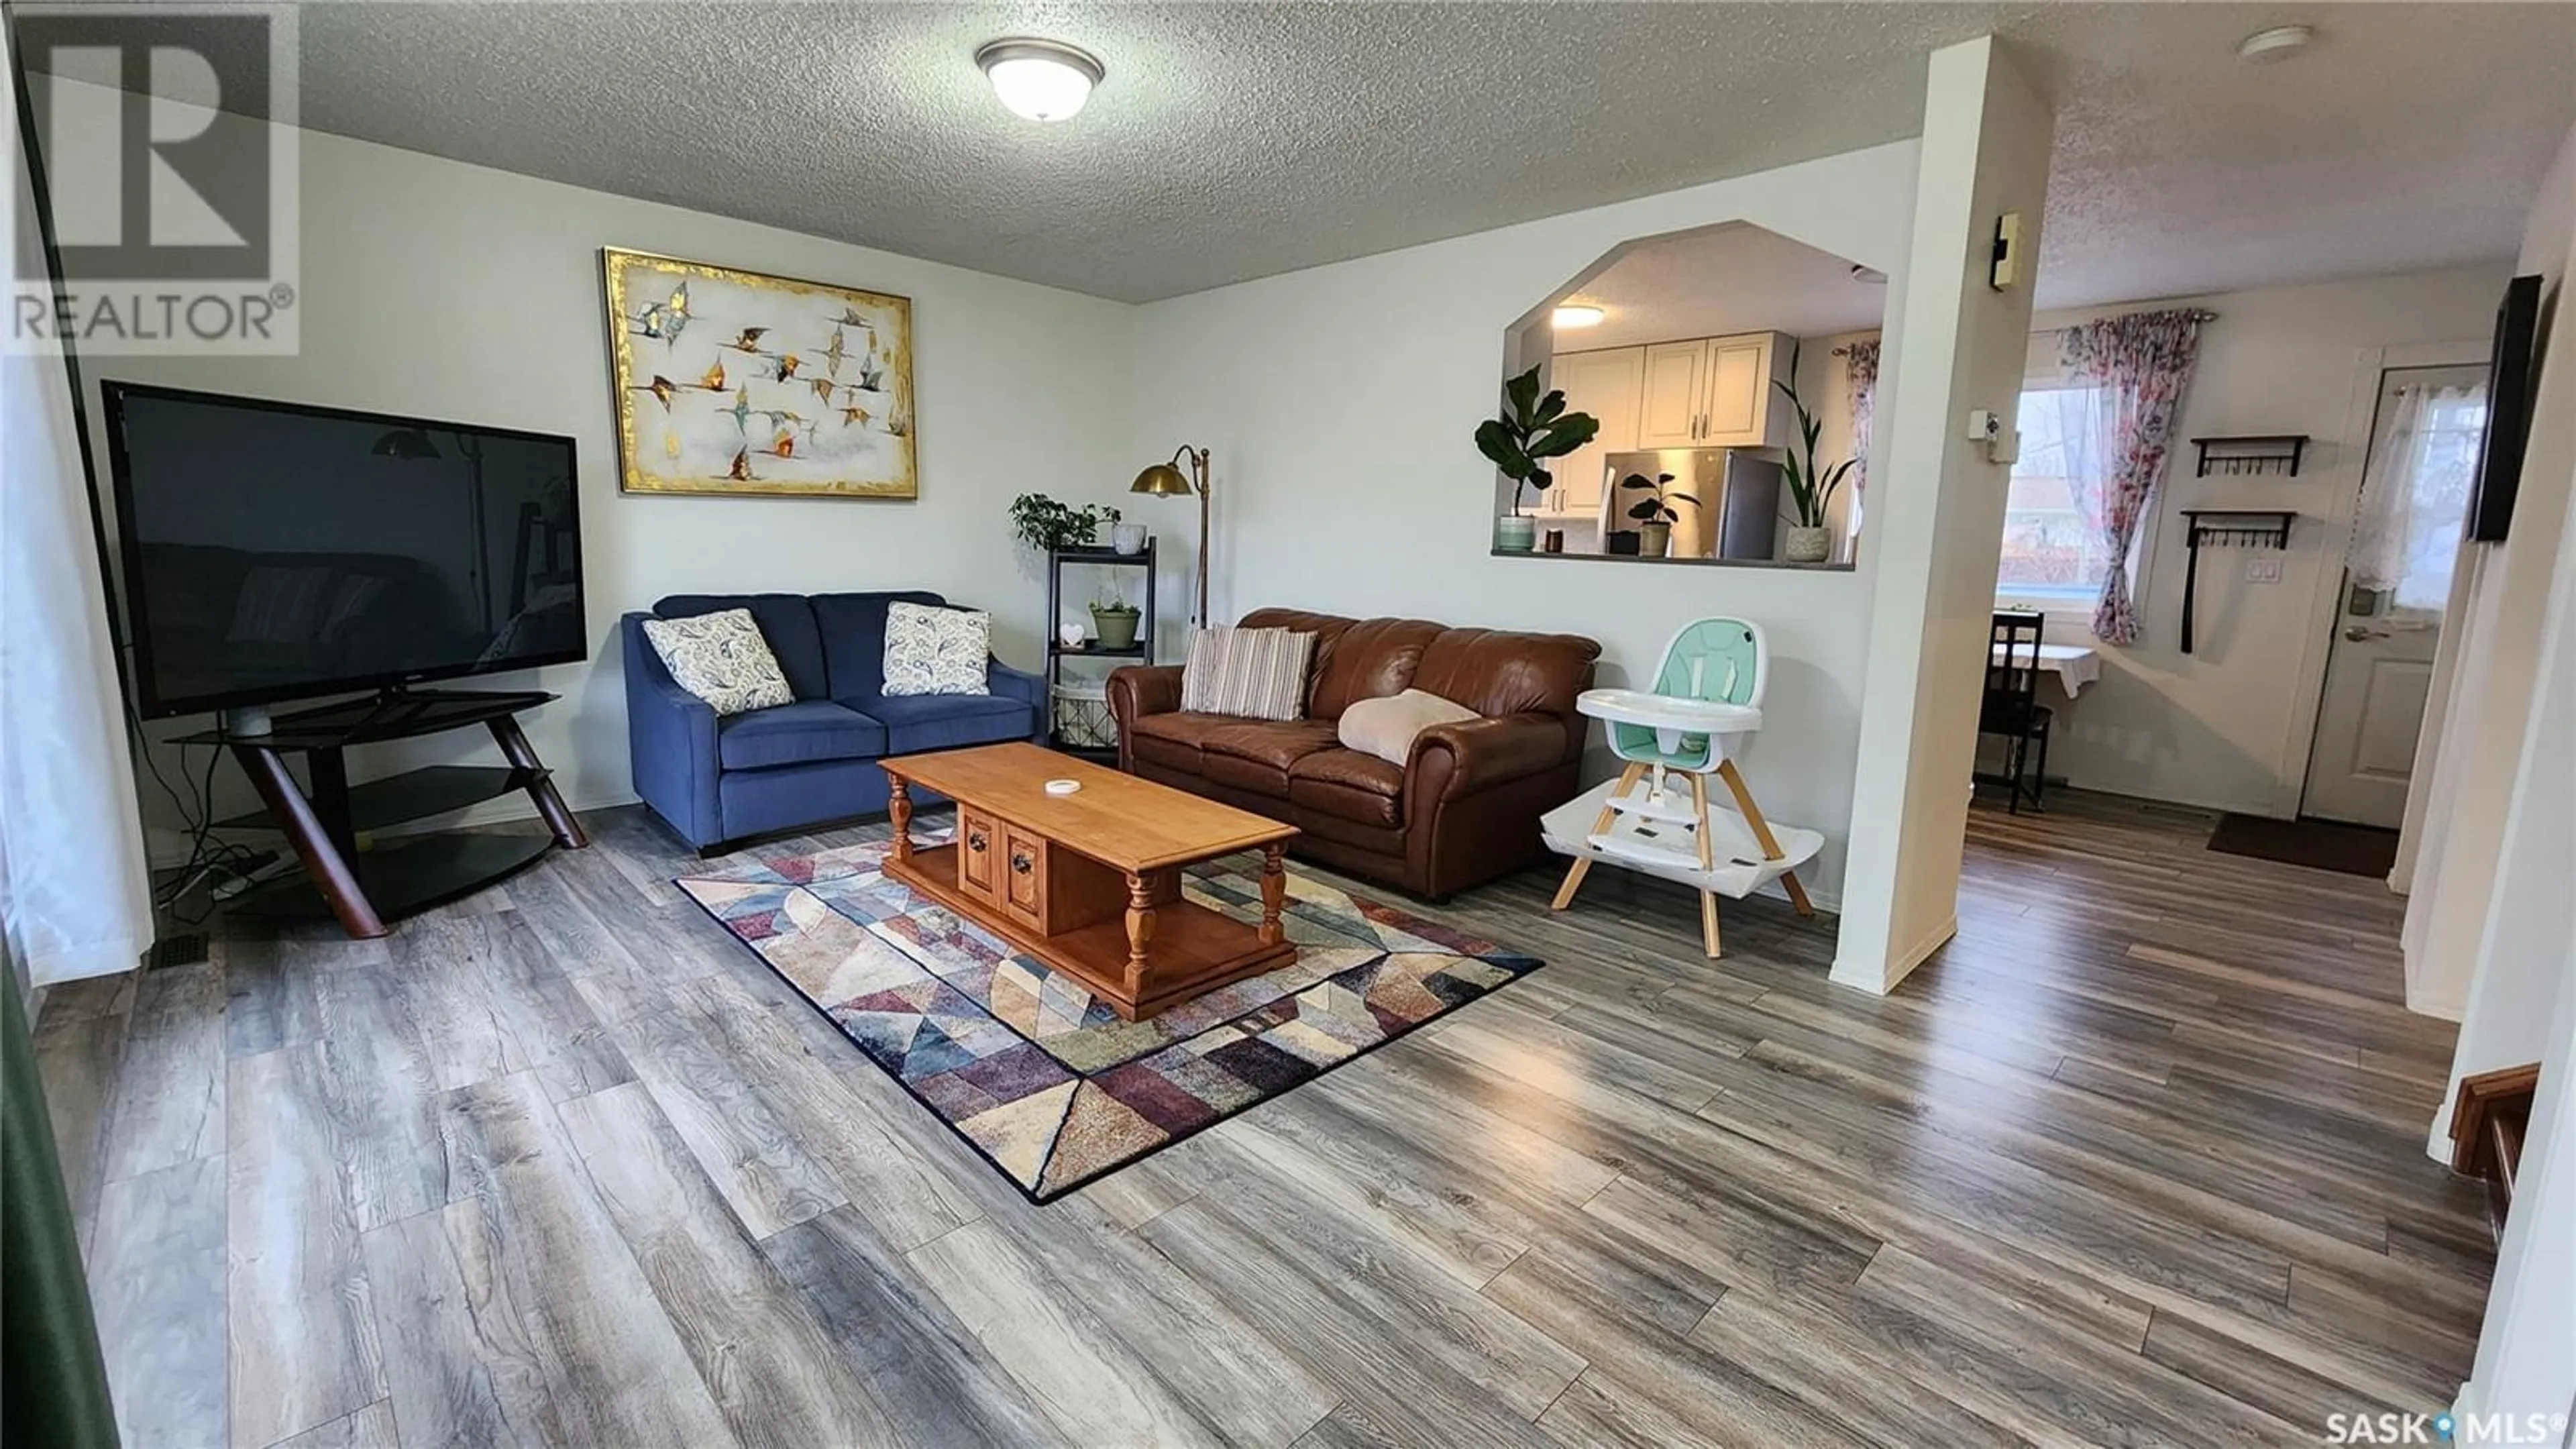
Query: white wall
[1936,531]
[2497,873]
[2473,784]
[2227,726]
[2526,1362]
[1340,404]
[456,292]
[2521,967]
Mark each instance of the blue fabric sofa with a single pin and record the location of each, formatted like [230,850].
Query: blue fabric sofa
[722,780]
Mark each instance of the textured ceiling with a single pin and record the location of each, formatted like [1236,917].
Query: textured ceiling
[1719,282]
[1232,141]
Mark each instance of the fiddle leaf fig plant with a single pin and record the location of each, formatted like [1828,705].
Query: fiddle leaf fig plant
[1530,430]
[1811,491]
[1657,506]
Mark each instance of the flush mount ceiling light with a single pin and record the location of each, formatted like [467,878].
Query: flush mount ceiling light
[2279,43]
[1043,80]
[1577,315]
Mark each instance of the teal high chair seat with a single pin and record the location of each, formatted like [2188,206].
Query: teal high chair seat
[1710,686]
[1706,698]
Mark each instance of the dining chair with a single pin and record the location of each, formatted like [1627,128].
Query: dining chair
[2011,706]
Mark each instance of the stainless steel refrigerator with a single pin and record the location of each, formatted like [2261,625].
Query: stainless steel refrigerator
[1738,512]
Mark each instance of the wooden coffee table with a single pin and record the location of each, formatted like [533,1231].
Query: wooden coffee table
[1090,883]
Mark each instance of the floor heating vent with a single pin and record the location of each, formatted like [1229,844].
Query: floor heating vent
[186,950]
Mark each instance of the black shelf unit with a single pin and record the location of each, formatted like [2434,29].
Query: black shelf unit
[1141,652]
[2250,453]
[323,815]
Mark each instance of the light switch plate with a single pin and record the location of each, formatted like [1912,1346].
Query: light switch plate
[2265,569]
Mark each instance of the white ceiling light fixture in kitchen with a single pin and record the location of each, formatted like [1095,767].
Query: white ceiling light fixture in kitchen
[2266,47]
[1042,80]
[1576,315]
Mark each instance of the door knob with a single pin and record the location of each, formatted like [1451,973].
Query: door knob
[2360,633]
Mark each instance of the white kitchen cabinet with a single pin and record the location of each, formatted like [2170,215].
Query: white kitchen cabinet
[1739,392]
[1714,392]
[1604,384]
[1674,394]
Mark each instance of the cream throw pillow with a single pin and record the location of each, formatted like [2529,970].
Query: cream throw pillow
[936,651]
[721,658]
[1255,673]
[1385,726]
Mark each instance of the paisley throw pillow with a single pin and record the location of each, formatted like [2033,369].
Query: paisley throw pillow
[936,651]
[721,658]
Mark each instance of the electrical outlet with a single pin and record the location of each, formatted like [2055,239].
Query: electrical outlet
[2265,569]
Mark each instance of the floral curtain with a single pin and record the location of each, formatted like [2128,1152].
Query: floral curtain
[1860,379]
[2142,361]
[2416,493]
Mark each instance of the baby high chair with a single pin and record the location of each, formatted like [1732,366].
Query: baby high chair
[1707,698]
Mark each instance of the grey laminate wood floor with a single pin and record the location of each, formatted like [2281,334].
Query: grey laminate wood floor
[2138,1160]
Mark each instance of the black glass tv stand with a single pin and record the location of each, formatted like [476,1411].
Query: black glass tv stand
[364,890]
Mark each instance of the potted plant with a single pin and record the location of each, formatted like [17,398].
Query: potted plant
[1811,491]
[1051,527]
[1654,513]
[1113,620]
[1531,430]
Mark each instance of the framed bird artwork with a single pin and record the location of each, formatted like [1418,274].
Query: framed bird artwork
[744,384]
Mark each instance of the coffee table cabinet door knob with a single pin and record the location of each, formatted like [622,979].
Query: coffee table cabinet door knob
[1020,863]
[975,842]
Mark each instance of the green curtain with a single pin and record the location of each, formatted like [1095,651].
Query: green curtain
[53,1384]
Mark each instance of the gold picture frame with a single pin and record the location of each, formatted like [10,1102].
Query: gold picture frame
[743,384]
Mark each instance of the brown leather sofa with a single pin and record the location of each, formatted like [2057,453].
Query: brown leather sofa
[1463,810]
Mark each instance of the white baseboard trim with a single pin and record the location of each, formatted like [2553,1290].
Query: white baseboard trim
[2424,1005]
[1879,981]
[1827,903]
[166,847]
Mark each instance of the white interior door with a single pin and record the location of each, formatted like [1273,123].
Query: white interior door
[2379,670]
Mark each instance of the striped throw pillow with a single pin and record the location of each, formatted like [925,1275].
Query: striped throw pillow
[1256,673]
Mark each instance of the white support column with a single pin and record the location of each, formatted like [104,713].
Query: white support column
[1937,511]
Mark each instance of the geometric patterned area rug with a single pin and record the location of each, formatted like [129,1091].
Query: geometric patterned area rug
[1049,1085]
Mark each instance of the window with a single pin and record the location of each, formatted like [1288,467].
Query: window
[2054,551]
[2422,469]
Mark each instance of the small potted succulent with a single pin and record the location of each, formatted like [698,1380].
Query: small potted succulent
[1113,620]
[1654,512]
[1531,430]
[1811,490]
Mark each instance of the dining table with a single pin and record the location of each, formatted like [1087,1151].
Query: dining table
[2075,665]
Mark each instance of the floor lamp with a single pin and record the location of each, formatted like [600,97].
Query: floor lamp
[1164,480]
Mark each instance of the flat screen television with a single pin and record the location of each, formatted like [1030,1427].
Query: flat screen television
[272,551]
[2509,389]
